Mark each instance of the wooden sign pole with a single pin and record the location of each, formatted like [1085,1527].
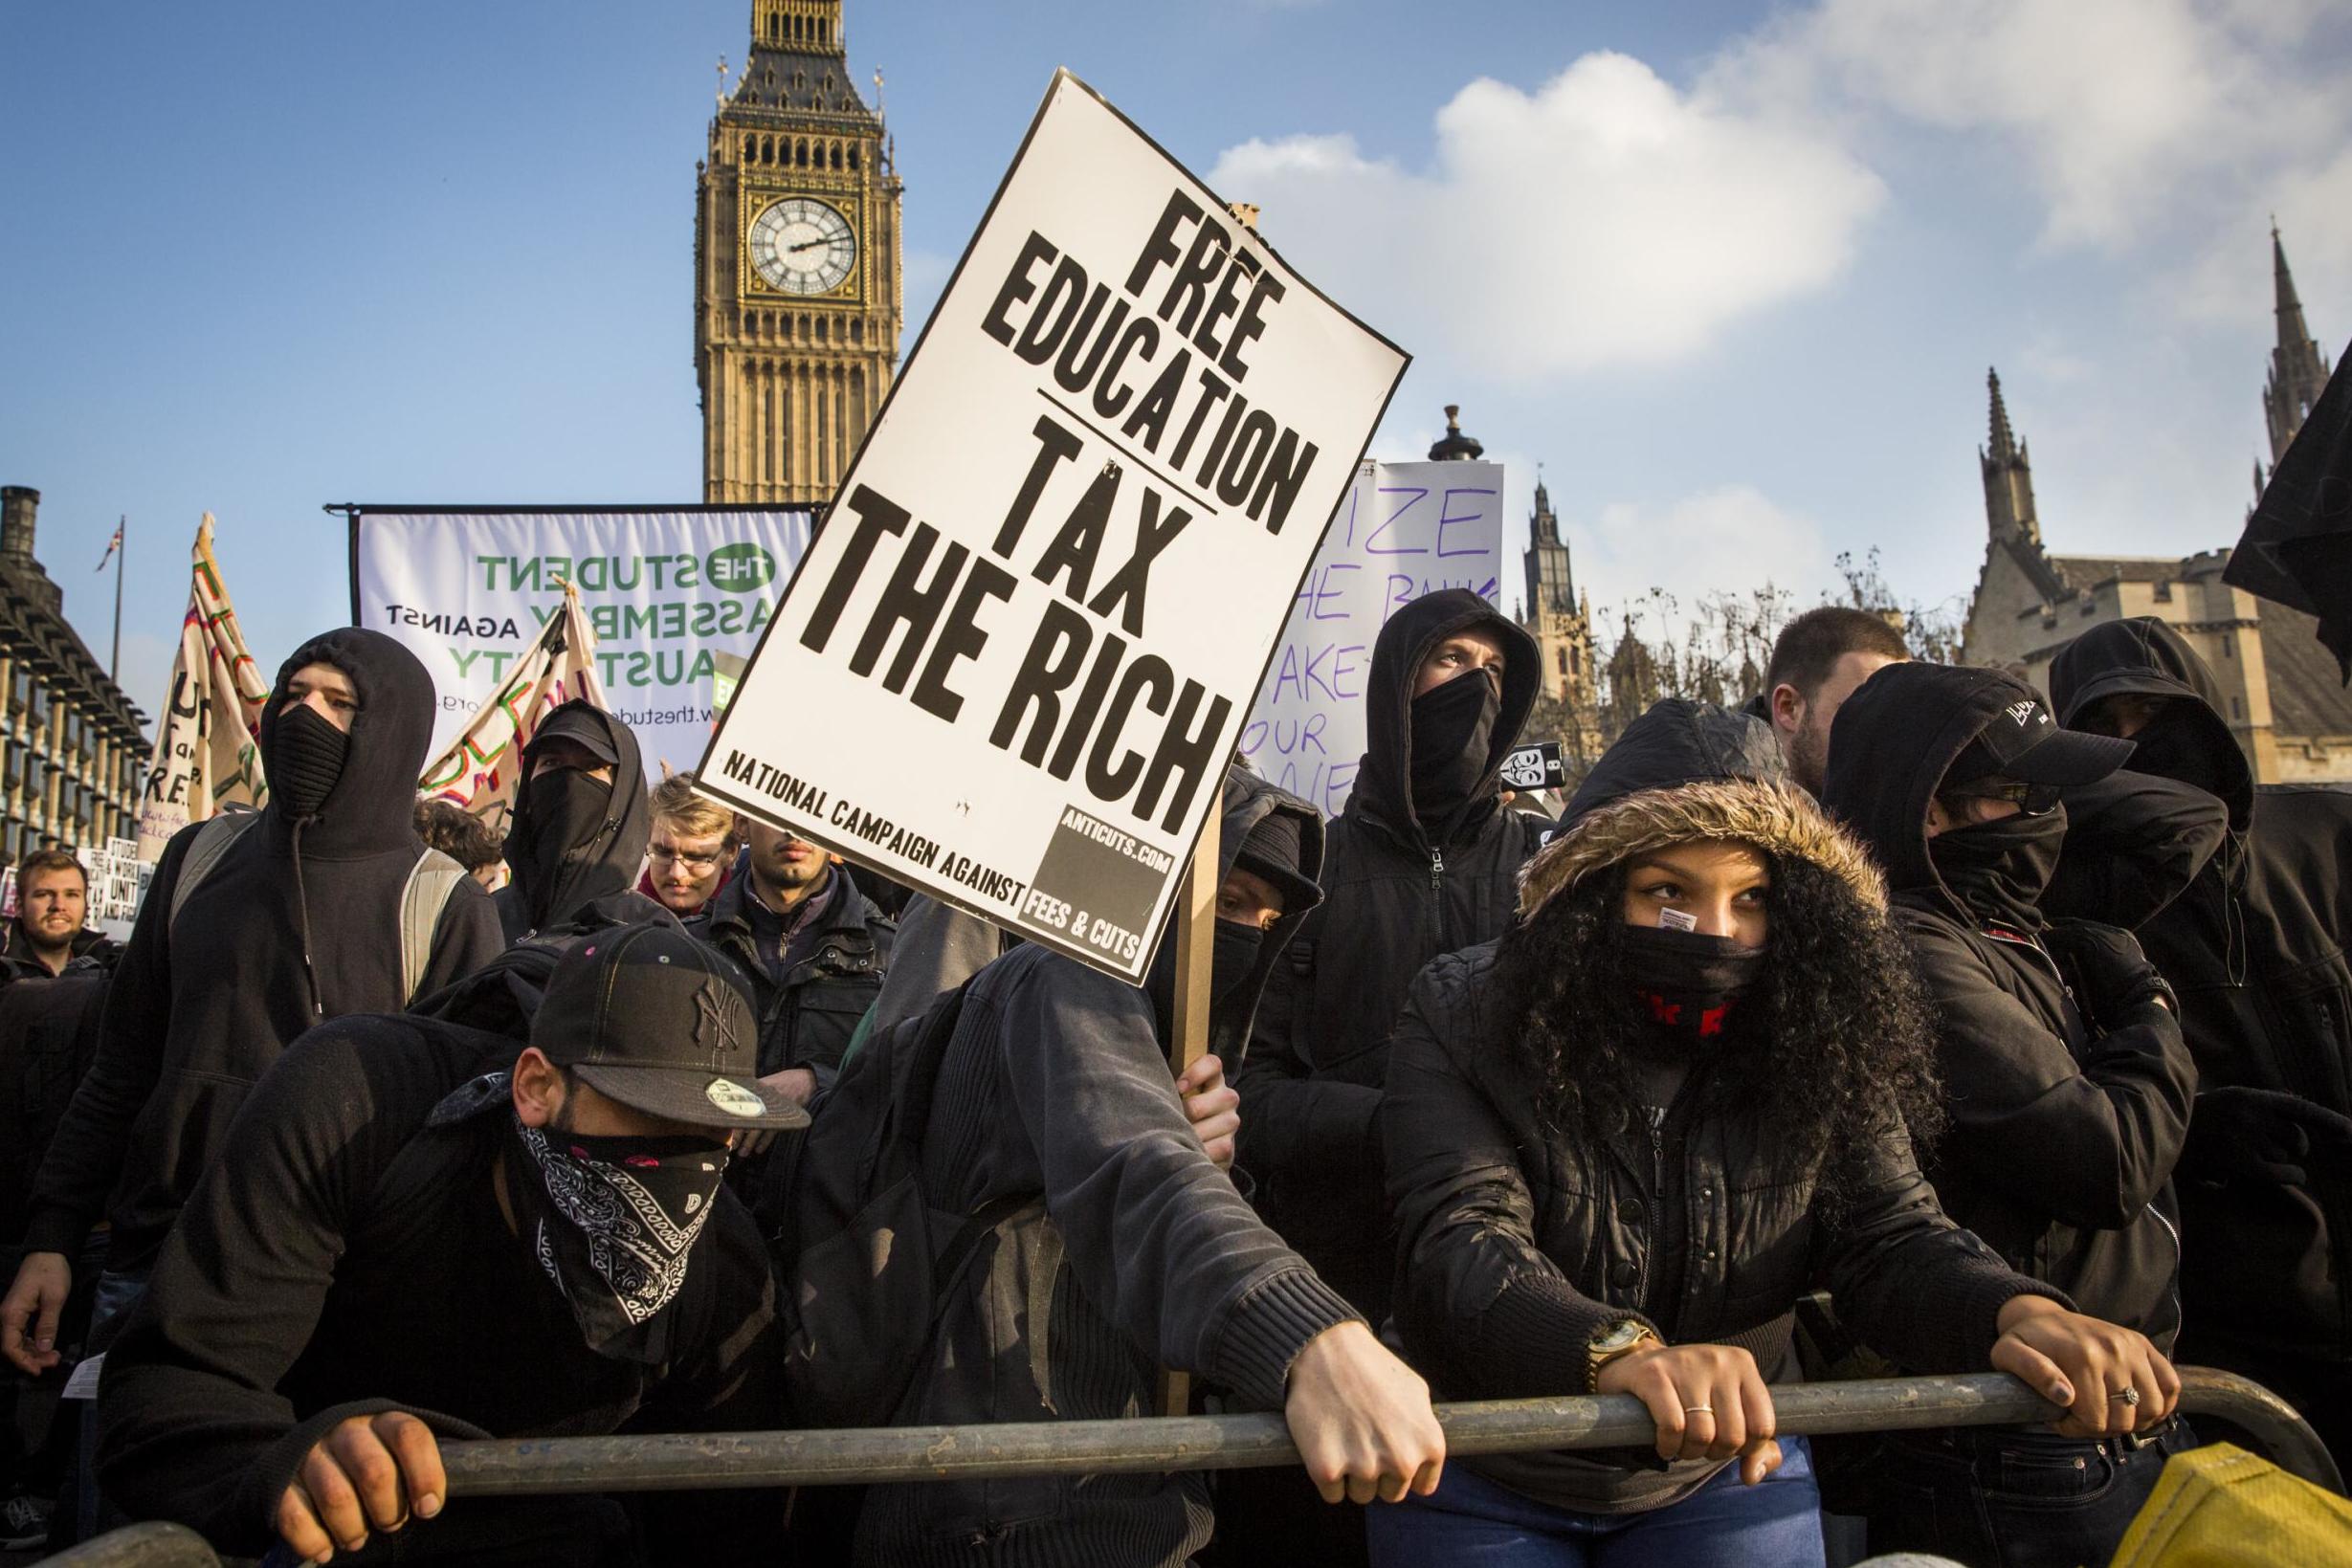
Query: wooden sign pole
[1196,929]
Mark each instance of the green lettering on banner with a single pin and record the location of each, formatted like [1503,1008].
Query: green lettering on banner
[740,569]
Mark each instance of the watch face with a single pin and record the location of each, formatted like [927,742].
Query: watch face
[803,247]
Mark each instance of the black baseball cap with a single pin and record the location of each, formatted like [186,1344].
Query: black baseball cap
[2023,741]
[583,724]
[649,1017]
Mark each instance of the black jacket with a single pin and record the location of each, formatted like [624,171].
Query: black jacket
[2065,1128]
[198,1007]
[2256,950]
[606,862]
[1055,1087]
[347,1256]
[48,1038]
[1394,896]
[807,1016]
[1516,1244]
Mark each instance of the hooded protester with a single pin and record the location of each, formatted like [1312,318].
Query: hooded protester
[2256,950]
[583,818]
[298,914]
[1626,1138]
[417,1230]
[2066,1076]
[1054,1110]
[1421,861]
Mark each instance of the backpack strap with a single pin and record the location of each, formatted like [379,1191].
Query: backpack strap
[432,881]
[204,852]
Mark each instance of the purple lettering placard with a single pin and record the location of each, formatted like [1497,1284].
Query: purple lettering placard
[1404,530]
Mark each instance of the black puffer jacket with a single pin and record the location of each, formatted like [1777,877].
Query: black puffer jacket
[48,1038]
[1518,1244]
[807,1016]
[2256,950]
[2065,1127]
[604,863]
[201,1005]
[1395,895]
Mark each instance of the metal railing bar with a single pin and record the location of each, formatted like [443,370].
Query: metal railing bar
[700,1462]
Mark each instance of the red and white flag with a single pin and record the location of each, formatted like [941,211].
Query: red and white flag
[112,545]
[481,770]
[208,743]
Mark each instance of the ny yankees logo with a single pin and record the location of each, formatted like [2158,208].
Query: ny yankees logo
[708,1012]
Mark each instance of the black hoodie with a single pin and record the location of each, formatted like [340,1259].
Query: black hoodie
[1395,895]
[2065,1129]
[1055,1087]
[2255,949]
[201,1005]
[605,860]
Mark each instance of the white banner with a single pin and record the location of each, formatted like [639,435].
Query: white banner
[1012,668]
[482,772]
[208,742]
[1406,529]
[665,592]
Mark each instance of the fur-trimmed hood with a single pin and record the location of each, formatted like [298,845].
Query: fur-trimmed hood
[1777,818]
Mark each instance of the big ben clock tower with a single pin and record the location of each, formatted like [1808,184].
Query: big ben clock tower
[797,266]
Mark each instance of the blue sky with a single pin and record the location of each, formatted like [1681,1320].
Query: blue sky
[1733,273]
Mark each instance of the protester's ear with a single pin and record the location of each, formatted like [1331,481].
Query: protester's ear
[1788,709]
[538,1087]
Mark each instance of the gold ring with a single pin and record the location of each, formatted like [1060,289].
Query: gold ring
[1698,1409]
[2128,1394]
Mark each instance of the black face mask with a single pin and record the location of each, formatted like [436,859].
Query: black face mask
[1453,732]
[1687,984]
[568,809]
[1232,956]
[2175,747]
[306,757]
[1999,869]
[613,1221]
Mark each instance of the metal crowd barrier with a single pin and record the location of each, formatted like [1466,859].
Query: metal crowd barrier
[536,1467]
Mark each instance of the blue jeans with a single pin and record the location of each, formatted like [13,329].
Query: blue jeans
[2015,1497]
[117,1293]
[1470,1520]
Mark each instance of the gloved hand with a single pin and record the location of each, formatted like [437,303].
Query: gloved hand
[2112,978]
[2262,1135]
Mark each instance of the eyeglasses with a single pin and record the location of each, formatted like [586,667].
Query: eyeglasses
[2032,800]
[662,854]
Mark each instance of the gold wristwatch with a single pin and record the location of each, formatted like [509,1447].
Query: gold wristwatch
[1625,1334]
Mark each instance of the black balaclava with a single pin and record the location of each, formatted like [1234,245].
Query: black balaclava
[2176,744]
[1686,985]
[305,759]
[613,1221]
[1453,732]
[1232,956]
[567,808]
[2000,867]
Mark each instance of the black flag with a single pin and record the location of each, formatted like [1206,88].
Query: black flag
[2298,546]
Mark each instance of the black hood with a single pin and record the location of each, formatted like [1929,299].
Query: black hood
[607,860]
[1384,781]
[1889,746]
[1250,800]
[372,806]
[1679,741]
[2144,657]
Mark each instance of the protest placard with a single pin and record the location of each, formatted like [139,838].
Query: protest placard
[117,882]
[1012,667]
[665,590]
[1406,529]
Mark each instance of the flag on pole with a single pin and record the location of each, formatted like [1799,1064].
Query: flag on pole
[208,745]
[481,770]
[112,545]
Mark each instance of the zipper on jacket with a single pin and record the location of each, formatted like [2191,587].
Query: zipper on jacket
[1437,871]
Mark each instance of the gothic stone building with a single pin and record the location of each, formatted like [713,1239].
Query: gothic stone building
[70,738]
[2284,700]
[797,266]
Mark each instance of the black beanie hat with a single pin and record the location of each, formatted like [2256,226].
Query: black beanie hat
[1271,851]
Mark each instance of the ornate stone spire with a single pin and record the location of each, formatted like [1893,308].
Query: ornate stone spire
[2299,370]
[2008,476]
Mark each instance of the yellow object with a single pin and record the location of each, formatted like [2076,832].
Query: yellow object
[2220,1507]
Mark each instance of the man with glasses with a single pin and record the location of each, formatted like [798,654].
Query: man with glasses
[2066,1076]
[693,851]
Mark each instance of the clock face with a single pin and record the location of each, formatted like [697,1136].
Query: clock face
[803,246]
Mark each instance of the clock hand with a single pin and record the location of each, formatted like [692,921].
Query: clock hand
[809,245]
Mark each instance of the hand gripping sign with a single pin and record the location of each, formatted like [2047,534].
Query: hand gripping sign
[1058,566]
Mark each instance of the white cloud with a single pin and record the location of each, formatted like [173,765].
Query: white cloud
[1731,537]
[1605,219]
[2126,116]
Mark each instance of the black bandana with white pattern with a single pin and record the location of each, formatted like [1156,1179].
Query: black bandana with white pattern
[614,1222]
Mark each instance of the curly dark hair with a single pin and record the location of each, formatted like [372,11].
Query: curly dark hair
[1838,1035]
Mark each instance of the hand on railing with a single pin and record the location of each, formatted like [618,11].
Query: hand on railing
[2111,1380]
